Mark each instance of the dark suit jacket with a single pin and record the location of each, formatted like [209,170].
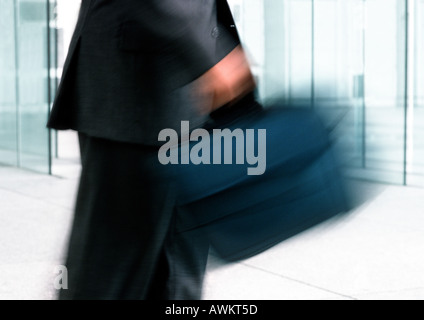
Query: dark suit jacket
[130,64]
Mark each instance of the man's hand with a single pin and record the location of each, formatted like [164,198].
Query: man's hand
[228,81]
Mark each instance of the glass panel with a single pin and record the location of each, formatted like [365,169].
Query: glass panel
[337,48]
[416,168]
[298,43]
[347,59]
[33,84]
[249,17]
[385,90]
[66,15]
[25,83]
[277,36]
[339,73]
[8,111]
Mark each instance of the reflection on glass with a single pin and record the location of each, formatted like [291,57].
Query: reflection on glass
[25,80]
[416,168]
[8,110]
[348,59]
[385,88]
[33,107]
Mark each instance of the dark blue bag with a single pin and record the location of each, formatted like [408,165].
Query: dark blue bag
[244,215]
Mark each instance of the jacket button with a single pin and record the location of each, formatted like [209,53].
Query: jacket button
[215,33]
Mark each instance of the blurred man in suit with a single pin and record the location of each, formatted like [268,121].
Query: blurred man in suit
[133,69]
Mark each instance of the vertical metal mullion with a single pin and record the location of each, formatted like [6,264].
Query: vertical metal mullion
[56,79]
[363,87]
[289,56]
[49,93]
[17,87]
[406,96]
[313,53]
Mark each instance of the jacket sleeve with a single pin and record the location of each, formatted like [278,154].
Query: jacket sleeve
[168,27]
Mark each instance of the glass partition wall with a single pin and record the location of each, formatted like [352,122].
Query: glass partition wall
[8,85]
[359,63]
[27,82]
[356,61]
[416,116]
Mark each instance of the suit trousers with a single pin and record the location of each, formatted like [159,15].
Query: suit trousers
[123,244]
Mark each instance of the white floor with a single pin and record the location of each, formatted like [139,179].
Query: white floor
[376,253]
